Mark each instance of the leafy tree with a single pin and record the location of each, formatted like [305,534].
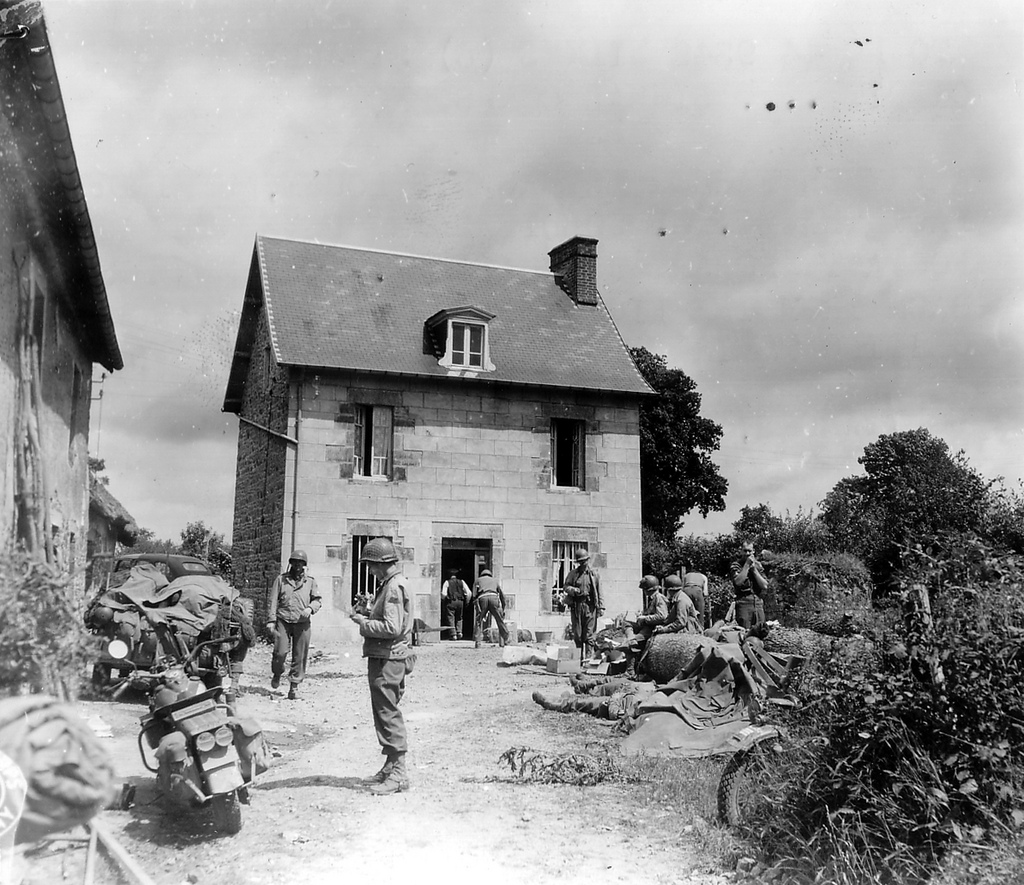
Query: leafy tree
[800,533]
[913,489]
[676,471]
[147,542]
[208,545]
[96,468]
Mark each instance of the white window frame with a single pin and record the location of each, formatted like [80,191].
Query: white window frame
[458,326]
[460,350]
[373,442]
[563,561]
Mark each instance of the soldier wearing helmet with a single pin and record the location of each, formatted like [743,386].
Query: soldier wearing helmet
[293,600]
[655,607]
[386,628]
[488,601]
[583,594]
[655,613]
[682,616]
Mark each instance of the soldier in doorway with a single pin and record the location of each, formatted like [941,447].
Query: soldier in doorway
[454,596]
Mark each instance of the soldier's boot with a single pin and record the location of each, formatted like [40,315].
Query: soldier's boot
[293,691]
[397,780]
[562,702]
[382,775]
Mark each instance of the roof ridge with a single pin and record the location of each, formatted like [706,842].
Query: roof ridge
[406,255]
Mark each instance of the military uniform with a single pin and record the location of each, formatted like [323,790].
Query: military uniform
[488,599]
[387,639]
[291,603]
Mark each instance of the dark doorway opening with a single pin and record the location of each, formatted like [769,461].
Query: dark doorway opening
[467,556]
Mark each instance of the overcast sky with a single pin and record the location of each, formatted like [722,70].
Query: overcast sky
[813,209]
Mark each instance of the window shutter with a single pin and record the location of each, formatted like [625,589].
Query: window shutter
[381,441]
[359,440]
[577,455]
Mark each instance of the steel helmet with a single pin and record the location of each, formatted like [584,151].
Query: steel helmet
[299,556]
[673,581]
[379,550]
[648,582]
[582,556]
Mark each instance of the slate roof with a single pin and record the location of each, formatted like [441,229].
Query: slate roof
[365,310]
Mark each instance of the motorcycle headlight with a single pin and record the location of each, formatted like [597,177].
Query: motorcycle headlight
[225,736]
[117,649]
[206,741]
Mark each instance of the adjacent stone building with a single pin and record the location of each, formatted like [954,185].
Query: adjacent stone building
[477,416]
[55,322]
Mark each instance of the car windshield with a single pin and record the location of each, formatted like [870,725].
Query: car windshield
[193,567]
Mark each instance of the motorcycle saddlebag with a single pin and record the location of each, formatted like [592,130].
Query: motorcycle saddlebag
[251,745]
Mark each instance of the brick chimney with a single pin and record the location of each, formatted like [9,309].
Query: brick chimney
[574,265]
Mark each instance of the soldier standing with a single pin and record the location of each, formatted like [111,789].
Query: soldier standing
[294,598]
[386,628]
[583,594]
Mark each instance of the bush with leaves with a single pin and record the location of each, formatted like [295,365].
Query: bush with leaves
[43,640]
[924,740]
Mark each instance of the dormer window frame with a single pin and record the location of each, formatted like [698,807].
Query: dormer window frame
[461,321]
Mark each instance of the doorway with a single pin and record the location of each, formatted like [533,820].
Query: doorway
[467,556]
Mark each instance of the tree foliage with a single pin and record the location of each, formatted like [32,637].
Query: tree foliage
[912,488]
[677,474]
[199,540]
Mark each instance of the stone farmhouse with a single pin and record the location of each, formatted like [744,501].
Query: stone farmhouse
[55,321]
[477,416]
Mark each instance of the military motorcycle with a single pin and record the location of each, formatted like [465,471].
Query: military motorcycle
[201,751]
[156,619]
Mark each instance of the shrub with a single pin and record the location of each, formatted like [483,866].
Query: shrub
[924,740]
[42,634]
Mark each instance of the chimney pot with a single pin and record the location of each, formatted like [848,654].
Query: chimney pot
[574,264]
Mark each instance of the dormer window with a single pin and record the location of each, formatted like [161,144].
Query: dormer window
[467,344]
[459,339]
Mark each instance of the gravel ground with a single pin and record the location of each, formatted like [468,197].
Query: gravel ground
[311,821]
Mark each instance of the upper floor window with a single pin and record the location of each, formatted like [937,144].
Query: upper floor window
[460,340]
[373,441]
[568,452]
[467,344]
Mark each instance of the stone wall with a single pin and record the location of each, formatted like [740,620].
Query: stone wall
[470,460]
[260,475]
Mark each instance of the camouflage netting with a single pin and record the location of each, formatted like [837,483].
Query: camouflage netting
[668,653]
[827,594]
[798,641]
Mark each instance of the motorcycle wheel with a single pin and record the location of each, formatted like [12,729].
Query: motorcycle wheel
[227,812]
[749,785]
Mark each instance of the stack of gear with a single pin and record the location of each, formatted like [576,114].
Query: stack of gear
[710,701]
[68,775]
[610,647]
[157,618]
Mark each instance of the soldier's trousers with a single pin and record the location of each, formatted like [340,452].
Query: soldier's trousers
[296,638]
[387,685]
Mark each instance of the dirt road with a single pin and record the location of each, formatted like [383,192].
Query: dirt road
[312,822]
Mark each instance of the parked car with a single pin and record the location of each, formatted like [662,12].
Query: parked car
[160,605]
[170,565]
